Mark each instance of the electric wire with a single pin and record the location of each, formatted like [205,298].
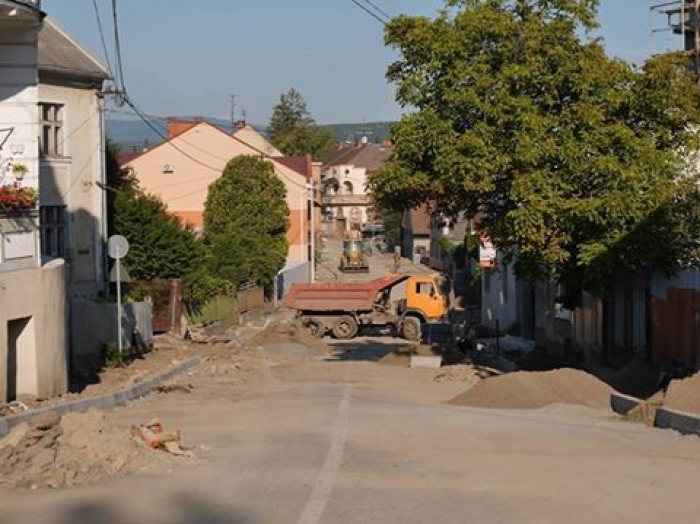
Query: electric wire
[117,45]
[102,38]
[378,9]
[369,12]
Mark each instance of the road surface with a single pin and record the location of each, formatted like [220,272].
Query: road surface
[345,440]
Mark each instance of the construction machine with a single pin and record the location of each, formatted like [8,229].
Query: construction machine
[354,257]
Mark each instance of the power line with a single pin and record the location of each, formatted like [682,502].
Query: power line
[117,45]
[165,138]
[369,12]
[102,37]
[378,9]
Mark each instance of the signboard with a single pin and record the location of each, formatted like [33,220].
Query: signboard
[487,253]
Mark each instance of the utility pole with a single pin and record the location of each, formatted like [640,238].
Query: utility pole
[233,111]
[312,214]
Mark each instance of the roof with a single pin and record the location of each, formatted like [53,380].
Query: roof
[300,164]
[253,138]
[60,54]
[124,157]
[420,220]
[370,156]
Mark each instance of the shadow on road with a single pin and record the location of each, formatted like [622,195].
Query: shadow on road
[182,509]
[367,350]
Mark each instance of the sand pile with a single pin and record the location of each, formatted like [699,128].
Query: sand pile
[280,332]
[458,373]
[684,395]
[76,449]
[534,390]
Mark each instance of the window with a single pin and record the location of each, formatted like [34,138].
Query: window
[51,139]
[424,288]
[53,231]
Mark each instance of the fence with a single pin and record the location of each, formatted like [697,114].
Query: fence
[166,298]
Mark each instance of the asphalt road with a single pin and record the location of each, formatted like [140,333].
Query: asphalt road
[348,440]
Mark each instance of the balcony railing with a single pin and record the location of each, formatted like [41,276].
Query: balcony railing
[346,200]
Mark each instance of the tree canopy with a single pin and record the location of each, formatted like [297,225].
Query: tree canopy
[246,221]
[292,129]
[159,247]
[572,159]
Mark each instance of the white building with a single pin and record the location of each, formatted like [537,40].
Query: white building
[50,147]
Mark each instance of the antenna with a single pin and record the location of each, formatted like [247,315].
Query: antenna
[233,111]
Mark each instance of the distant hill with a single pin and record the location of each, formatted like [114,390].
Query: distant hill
[136,135]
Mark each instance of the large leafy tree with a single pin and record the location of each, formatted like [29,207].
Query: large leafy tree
[571,159]
[292,129]
[159,247]
[245,221]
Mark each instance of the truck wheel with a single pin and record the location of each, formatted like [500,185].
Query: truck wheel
[315,328]
[411,329]
[345,328]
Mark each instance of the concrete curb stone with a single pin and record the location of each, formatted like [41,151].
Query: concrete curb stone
[103,402]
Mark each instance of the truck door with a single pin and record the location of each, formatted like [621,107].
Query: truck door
[428,299]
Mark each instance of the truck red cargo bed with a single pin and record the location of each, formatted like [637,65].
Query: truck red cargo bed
[339,297]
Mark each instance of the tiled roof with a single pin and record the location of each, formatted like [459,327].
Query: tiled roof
[370,156]
[421,220]
[300,164]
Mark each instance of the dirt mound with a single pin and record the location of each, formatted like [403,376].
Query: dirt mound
[684,394]
[76,449]
[458,373]
[280,332]
[534,390]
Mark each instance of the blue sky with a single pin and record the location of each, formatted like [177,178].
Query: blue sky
[185,58]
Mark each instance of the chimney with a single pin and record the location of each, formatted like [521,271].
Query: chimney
[176,127]
[238,125]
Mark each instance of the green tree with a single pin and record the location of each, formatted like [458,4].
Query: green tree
[246,221]
[293,131]
[565,153]
[159,247]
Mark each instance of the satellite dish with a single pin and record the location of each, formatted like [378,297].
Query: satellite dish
[117,247]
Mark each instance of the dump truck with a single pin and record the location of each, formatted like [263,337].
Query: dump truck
[353,259]
[348,310]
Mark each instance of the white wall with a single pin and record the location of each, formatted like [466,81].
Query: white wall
[38,296]
[18,97]
[498,296]
[73,182]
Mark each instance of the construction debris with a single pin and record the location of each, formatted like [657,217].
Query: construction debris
[13,408]
[174,388]
[77,449]
[152,435]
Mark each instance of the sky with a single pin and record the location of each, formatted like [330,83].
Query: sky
[186,58]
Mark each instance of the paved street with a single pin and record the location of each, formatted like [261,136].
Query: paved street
[355,441]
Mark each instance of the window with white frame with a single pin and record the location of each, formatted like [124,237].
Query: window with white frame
[51,138]
[53,231]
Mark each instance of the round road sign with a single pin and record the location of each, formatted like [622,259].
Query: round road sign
[117,247]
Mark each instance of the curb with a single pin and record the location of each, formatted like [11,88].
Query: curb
[623,404]
[685,423]
[103,402]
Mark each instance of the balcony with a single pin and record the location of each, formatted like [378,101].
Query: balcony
[346,200]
